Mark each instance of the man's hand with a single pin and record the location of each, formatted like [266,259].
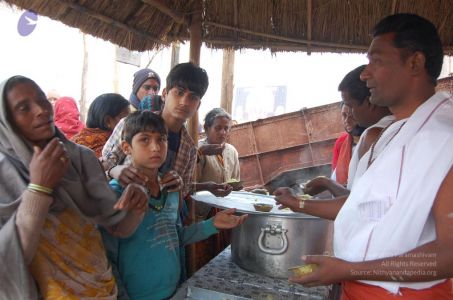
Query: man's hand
[219,189]
[211,149]
[134,198]
[286,197]
[127,175]
[226,219]
[172,181]
[316,185]
[329,270]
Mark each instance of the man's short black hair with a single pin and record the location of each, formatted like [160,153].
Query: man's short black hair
[355,87]
[141,121]
[188,76]
[105,105]
[414,33]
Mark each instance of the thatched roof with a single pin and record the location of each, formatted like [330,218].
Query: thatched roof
[280,25]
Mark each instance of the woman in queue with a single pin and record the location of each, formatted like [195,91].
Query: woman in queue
[67,117]
[104,113]
[224,166]
[215,170]
[52,194]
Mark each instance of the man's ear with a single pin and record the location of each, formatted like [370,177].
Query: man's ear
[126,147]
[164,94]
[417,63]
[199,104]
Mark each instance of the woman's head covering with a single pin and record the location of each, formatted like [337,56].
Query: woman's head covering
[139,78]
[67,116]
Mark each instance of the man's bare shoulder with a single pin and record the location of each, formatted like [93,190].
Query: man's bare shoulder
[369,137]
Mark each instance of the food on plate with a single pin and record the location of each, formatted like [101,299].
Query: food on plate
[260,191]
[232,180]
[234,183]
[303,270]
[263,207]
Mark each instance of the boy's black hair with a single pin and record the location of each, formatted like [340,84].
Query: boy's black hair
[188,76]
[355,87]
[213,114]
[141,121]
[414,33]
[105,105]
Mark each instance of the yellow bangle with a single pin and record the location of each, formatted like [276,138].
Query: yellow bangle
[301,203]
[40,188]
[302,199]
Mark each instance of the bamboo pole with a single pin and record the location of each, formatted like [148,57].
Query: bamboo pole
[83,87]
[174,54]
[309,22]
[195,49]
[226,99]
[289,46]
[283,38]
[178,18]
[108,20]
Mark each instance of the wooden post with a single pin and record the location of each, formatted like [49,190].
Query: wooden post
[83,96]
[195,48]
[226,99]
[174,54]
[116,75]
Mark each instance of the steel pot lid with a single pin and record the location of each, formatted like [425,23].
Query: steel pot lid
[244,201]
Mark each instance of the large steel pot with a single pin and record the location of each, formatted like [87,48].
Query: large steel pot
[270,243]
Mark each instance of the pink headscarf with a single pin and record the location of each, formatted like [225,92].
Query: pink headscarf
[67,117]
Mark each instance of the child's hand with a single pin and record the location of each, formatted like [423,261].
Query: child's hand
[134,197]
[226,219]
[172,181]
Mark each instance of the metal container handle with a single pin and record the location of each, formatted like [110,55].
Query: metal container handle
[273,230]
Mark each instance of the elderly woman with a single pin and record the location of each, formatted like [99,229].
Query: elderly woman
[103,115]
[53,192]
[213,170]
[224,165]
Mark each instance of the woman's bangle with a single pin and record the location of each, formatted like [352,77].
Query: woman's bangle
[40,188]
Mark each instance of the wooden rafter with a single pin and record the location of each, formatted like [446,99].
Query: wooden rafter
[178,18]
[287,39]
[235,19]
[108,20]
[393,7]
[309,20]
[279,46]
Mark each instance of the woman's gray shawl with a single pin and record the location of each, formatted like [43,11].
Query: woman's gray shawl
[83,188]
